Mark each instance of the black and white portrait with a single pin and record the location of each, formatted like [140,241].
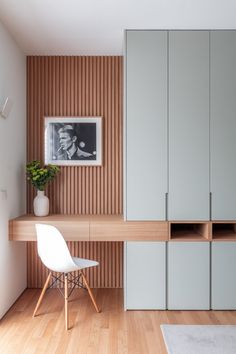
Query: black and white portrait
[73,141]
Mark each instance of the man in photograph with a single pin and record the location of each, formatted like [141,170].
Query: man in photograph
[69,149]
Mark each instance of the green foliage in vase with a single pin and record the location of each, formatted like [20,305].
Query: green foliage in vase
[40,176]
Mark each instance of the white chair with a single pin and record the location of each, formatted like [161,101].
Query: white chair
[55,255]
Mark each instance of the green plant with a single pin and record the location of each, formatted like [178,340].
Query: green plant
[40,176]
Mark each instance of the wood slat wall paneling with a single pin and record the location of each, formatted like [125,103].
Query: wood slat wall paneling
[78,86]
[107,275]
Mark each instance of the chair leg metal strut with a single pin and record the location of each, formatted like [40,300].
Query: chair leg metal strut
[68,278]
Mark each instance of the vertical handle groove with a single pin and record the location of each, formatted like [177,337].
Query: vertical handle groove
[166,205]
[210,205]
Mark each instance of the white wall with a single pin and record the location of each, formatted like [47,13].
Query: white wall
[12,163]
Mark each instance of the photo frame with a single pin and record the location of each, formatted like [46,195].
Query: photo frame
[73,141]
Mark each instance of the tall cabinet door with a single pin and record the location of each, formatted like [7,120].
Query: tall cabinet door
[188,276]
[146,125]
[223,124]
[145,275]
[223,264]
[188,125]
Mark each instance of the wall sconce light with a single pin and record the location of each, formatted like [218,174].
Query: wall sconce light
[6,109]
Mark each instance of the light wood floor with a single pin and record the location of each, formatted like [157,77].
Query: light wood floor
[113,331]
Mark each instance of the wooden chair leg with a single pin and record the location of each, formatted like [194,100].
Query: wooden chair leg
[42,294]
[90,292]
[66,303]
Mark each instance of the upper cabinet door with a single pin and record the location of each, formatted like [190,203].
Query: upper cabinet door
[146,125]
[188,125]
[223,124]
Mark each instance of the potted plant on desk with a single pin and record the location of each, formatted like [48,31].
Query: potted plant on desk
[40,177]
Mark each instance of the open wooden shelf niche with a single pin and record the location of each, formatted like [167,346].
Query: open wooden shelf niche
[189,231]
[223,230]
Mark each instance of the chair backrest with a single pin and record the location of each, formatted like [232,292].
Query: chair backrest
[52,249]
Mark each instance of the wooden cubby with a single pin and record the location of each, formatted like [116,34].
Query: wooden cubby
[189,231]
[224,231]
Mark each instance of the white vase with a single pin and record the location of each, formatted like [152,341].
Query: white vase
[41,204]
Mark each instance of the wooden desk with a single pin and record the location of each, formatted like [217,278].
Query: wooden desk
[107,233]
[90,228]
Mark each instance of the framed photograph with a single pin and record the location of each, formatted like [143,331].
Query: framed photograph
[73,141]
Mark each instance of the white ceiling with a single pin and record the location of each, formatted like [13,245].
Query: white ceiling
[95,27]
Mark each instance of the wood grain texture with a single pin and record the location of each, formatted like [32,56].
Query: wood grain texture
[223,230]
[79,86]
[105,230]
[90,228]
[72,227]
[191,231]
[109,273]
[113,331]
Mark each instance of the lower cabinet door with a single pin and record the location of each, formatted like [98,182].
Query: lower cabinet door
[223,281]
[145,275]
[188,276]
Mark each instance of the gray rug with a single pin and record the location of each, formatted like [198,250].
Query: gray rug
[188,339]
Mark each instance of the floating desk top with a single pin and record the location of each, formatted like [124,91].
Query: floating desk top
[90,228]
[115,228]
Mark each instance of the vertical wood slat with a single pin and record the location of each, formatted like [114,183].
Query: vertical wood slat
[107,275]
[79,86]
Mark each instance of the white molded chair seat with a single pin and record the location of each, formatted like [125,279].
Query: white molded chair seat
[82,263]
[55,255]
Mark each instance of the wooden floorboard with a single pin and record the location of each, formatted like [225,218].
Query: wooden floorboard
[113,331]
